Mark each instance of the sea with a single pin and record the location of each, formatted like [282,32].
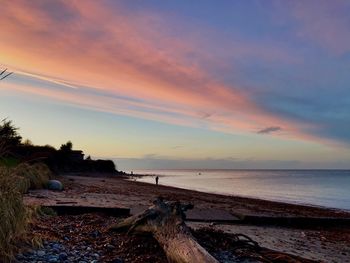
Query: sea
[323,188]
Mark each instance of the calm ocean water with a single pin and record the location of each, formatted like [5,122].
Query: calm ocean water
[328,188]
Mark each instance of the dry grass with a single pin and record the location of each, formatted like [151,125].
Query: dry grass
[14,216]
[34,176]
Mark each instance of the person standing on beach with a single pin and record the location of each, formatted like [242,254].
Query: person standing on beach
[157,179]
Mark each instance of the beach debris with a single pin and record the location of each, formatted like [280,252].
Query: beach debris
[165,221]
[55,185]
[66,202]
[86,238]
[211,215]
[237,247]
[74,208]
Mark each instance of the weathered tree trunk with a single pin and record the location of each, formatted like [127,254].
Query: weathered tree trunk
[165,221]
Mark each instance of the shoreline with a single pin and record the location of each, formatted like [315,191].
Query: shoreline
[131,192]
[313,242]
[334,211]
[131,178]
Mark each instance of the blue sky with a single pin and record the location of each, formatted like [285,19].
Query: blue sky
[181,84]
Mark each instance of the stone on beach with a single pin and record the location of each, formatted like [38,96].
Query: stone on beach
[55,185]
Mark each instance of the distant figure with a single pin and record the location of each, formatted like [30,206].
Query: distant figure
[157,179]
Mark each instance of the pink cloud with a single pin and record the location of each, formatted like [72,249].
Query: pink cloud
[118,54]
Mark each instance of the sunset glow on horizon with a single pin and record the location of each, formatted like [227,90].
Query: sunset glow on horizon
[182,84]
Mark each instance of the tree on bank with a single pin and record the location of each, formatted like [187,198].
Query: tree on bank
[67,147]
[9,135]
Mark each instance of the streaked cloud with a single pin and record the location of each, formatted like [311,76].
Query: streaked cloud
[269,130]
[104,57]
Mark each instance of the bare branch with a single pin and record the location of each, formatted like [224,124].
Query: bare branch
[4,73]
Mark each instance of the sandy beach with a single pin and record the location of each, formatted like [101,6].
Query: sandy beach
[320,243]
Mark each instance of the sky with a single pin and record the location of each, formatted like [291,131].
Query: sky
[182,84]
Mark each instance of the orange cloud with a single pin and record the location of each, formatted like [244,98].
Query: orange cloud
[90,47]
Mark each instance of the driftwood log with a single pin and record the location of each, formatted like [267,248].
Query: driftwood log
[165,221]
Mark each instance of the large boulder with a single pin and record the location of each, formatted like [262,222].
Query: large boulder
[55,185]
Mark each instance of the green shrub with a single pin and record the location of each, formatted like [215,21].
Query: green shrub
[46,211]
[9,162]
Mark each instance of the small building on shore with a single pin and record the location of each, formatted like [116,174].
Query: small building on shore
[76,156]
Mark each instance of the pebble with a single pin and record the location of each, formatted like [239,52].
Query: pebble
[110,247]
[52,259]
[63,256]
[95,234]
[228,257]
[54,252]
